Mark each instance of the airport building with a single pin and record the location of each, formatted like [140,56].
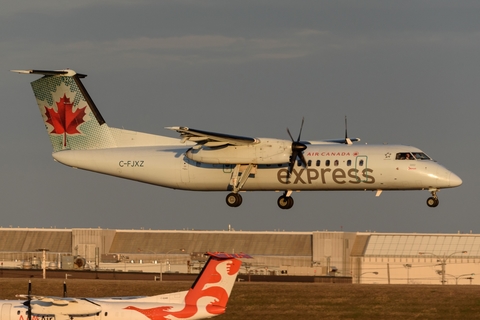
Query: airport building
[364,257]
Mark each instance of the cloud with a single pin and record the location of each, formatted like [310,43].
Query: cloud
[180,49]
[17,7]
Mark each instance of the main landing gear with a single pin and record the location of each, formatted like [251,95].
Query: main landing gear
[432,202]
[234,200]
[285,201]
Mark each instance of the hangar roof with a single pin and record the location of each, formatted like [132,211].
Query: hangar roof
[29,240]
[413,244]
[253,243]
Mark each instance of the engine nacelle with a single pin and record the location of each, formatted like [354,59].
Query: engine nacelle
[266,151]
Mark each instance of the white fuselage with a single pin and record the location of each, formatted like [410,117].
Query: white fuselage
[329,167]
[113,308]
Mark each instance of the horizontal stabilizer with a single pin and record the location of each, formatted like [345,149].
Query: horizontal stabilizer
[223,255]
[66,72]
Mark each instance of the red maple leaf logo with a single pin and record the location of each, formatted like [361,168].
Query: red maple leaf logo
[65,120]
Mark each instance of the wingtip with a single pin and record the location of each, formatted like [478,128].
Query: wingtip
[22,71]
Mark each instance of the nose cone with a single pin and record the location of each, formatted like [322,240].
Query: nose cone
[455,180]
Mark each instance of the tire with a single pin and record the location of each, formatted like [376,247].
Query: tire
[285,202]
[233,200]
[432,202]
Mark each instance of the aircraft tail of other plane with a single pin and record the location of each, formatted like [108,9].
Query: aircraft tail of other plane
[208,295]
[72,119]
[216,279]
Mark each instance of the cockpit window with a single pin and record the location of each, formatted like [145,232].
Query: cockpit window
[421,156]
[404,156]
[412,156]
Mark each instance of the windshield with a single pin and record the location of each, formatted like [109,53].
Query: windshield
[412,156]
[421,156]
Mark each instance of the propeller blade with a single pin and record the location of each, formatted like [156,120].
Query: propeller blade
[301,128]
[293,158]
[297,150]
[346,134]
[303,159]
[288,131]
[347,139]
[29,311]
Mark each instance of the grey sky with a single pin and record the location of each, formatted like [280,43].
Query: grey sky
[402,71]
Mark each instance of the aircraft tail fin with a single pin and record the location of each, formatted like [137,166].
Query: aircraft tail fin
[71,118]
[208,295]
[214,284]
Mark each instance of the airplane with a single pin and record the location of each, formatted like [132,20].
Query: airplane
[208,161]
[207,298]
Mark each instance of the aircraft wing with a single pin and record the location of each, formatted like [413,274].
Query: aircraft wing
[344,140]
[212,139]
[46,300]
[72,307]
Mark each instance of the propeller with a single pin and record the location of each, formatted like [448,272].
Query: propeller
[29,301]
[347,139]
[297,150]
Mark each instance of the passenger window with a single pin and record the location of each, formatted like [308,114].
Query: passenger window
[309,163]
[336,163]
[318,163]
[327,163]
[360,163]
[349,163]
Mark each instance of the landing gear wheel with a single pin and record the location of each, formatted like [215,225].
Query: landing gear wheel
[285,202]
[432,202]
[234,200]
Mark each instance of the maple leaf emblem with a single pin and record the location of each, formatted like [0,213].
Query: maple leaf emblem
[65,121]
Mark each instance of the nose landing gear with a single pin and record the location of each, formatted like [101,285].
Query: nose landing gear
[432,202]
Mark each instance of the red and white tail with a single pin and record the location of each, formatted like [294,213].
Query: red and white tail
[215,282]
[208,295]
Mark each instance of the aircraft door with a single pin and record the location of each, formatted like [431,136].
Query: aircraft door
[6,309]
[361,164]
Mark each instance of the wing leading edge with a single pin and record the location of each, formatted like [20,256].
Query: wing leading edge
[212,139]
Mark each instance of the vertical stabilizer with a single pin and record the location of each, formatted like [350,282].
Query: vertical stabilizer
[208,295]
[71,118]
[215,281]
